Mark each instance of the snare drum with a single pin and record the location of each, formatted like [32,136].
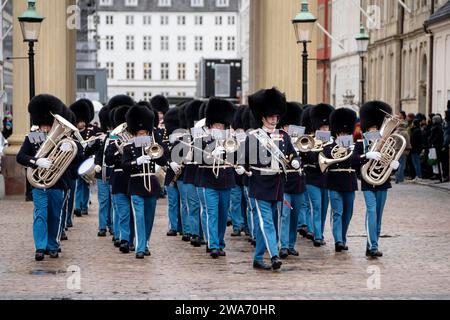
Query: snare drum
[87,171]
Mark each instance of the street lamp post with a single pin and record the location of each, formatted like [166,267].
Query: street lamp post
[30,24]
[362,40]
[304,23]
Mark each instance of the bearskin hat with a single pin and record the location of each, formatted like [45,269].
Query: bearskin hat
[160,104]
[140,118]
[149,105]
[171,120]
[293,115]
[181,116]
[343,121]
[219,111]
[105,121]
[268,102]
[192,112]
[41,108]
[237,121]
[306,119]
[320,115]
[119,115]
[119,101]
[202,112]
[248,119]
[371,114]
[84,110]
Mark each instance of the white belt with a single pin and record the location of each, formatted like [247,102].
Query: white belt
[214,167]
[343,170]
[266,170]
[295,171]
[118,170]
[142,175]
[309,166]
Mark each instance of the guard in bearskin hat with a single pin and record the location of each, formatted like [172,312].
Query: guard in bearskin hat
[172,124]
[372,116]
[294,190]
[103,176]
[266,184]
[191,115]
[319,119]
[124,236]
[341,176]
[48,203]
[143,187]
[217,179]
[84,112]
[160,106]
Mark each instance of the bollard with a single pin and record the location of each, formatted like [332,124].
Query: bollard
[2,186]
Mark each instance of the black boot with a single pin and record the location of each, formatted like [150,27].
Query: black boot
[214,253]
[186,238]
[77,213]
[284,253]
[117,243]
[339,247]
[140,255]
[293,252]
[39,256]
[260,265]
[276,263]
[125,247]
[236,233]
[102,233]
[196,242]
[64,236]
[172,233]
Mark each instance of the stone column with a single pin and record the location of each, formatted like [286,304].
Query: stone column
[55,74]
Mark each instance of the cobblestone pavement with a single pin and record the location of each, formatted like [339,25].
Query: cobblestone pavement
[416,238]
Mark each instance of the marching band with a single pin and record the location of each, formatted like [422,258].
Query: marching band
[273,168]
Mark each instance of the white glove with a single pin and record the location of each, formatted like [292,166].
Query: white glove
[175,167]
[395,165]
[295,164]
[240,170]
[98,169]
[44,163]
[373,156]
[143,160]
[218,152]
[66,147]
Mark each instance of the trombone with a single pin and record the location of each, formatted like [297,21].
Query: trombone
[155,151]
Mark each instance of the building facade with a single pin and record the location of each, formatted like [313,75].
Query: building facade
[439,26]
[6,66]
[244,46]
[345,63]
[275,56]
[399,57]
[324,14]
[151,47]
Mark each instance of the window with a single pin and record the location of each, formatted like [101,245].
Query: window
[197,3]
[218,20]
[109,20]
[231,20]
[86,82]
[231,44]
[164,3]
[147,20]
[131,3]
[131,94]
[181,43]
[197,70]
[164,20]
[147,43]
[106,2]
[110,70]
[147,96]
[182,71]
[165,94]
[130,43]
[164,71]
[198,43]
[129,20]
[109,42]
[218,44]
[222,3]
[181,94]
[181,20]
[130,71]
[164,43]
[147,71]
[198,20]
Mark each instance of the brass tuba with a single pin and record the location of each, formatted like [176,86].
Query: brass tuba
[338,154]
[391,146]
[51,149]
[307,143]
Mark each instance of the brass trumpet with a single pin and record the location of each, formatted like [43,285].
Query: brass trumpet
[338,154]
[307,143]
